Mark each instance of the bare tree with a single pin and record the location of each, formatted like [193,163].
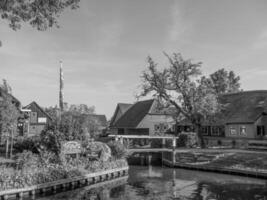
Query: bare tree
[180,85]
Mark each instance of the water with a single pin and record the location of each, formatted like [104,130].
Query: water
[158,183]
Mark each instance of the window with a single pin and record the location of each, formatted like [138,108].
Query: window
[215,130]
[243,131]
[204,130]
[120,131]
[165,127]
[232,131]
[157,127]
[260,130]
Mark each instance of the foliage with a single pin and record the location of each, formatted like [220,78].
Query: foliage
[181,142]
[27,159]
[188,140]
[81,109]
[47,172]
[9,113]
[27,144]
[118,150]
[40,14]
[75,122]
[50,140]
[97,148]
[180,85]
[223,81]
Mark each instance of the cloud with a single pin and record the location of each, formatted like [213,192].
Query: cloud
[179,26]
[109,35]
[261,41]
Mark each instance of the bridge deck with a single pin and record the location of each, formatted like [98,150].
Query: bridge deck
[150,150]
[143,136]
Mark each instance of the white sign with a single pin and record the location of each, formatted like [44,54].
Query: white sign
[42,120]
[71,147]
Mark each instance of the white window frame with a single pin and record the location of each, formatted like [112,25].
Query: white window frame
[232,129]
[241,132]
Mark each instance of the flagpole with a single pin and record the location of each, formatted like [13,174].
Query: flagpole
[60,90]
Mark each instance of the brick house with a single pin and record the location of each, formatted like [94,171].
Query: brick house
[37,119]
[244,118]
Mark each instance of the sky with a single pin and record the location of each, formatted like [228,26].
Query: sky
[104,46]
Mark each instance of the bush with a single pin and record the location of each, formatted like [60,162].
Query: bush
[118,150]
[182,141]
[50,140]
[27,159]
[97,148]
[29,176]
[27,144]
[187,140]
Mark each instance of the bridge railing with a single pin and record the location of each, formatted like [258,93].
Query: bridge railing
[146,141]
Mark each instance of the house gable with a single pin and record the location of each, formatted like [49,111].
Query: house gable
[134,115]
[38,115]
[119,111]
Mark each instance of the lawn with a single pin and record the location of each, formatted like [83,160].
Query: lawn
[237,160]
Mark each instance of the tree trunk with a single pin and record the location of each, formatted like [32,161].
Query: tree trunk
[200,136]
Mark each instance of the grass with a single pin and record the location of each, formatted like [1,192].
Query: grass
[248,161]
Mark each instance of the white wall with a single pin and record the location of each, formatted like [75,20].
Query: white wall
[150,121]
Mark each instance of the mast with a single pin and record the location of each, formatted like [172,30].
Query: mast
[61,86]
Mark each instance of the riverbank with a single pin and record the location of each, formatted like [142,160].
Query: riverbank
[62,184]
[252,164]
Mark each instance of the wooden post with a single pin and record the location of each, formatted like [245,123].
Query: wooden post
[163,142]
[32,194]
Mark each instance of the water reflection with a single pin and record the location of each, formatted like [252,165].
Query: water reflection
[160,183]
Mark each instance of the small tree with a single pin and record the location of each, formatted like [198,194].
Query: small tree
[180,85]
[9,114]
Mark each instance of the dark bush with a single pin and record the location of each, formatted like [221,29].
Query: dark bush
[27,144]
[219,142]
[182,141]
[50,140]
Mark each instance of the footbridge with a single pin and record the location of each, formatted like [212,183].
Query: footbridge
[143,143]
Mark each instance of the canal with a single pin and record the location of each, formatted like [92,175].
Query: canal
[159,183]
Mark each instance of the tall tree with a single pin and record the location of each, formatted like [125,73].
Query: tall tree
[81,109]
[40,14]
[75,121]
[224,81]
[180,85]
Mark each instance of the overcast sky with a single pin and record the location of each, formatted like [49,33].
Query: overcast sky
[104,45]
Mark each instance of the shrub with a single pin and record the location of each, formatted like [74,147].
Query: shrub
[98,148]
[118,150]
[50,140]
[27,144]
[27,159]
[187,140]
[182,141]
